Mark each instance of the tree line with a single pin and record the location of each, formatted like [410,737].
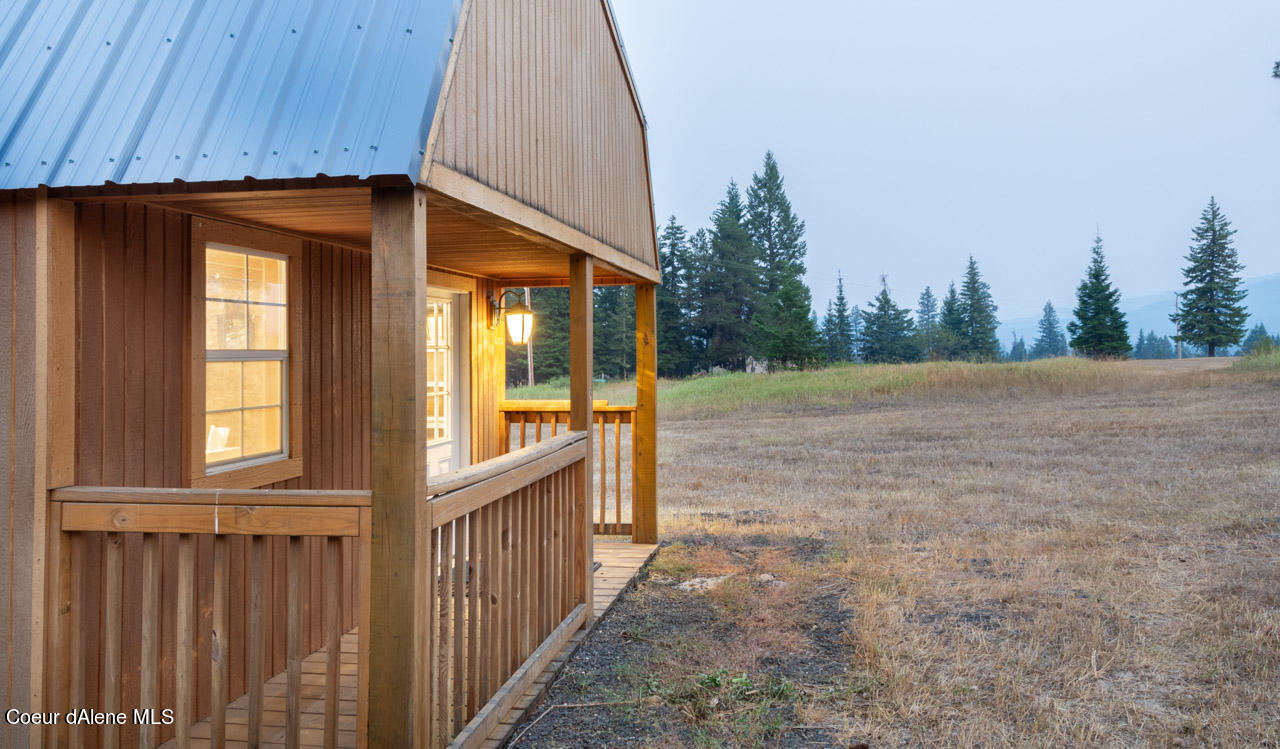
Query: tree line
[733,297]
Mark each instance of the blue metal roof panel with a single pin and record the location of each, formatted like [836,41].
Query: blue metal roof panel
[148,91]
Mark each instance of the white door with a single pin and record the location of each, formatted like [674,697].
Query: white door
[448,376]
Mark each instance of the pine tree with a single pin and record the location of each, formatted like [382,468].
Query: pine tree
[1142,349]
[1256,337]
[1211,312]
[786,329]
[887,334]
[1099,330]
[692,301]
[675,344]
[837,326]
[1018,350]
[1159,347]
[951,327]
[979,313]
[551,337]
[1050,341]
[730,287]
[774,227]
[614,323]
[927,325]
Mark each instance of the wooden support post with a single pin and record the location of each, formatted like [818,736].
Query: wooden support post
[399,589]
[644,427]
[53,398]
[581,376]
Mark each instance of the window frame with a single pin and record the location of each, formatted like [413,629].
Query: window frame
[258,471]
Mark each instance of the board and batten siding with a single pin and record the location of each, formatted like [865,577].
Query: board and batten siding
[541,108]
[133,291]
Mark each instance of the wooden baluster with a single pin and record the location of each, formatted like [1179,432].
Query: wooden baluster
[112,611]
[514,599]
[257,602]
[473,613]
[542,531]
[293,647]
[185,644]
[445,613]
[333,632]
[76,650]
[493,644]
[567,539]
[459,587]
[526,545]
[218,646]
[571,512]
[522,427]
[61,605]
[508,589]
[555,422]
[603,491]
[148,692]
[617,470]
[537,435]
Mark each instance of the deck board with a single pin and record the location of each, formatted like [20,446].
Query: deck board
[620,563]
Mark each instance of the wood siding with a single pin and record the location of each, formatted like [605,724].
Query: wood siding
[17,467]
[540,108]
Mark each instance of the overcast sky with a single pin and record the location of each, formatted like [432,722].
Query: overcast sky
[912,133]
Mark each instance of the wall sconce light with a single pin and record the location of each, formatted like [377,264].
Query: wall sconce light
[517,314]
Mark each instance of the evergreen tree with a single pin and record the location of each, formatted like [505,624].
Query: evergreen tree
[551,338]
[1257,336]
[774,227]
[951,327]
[1099,329]
[1159,347]
[786,329]
[1018,350]
[1211,312]
[887,334]
[675,340]
[837,326]
[1142,349]
[692,302]
[979,312]
[1050,341]
[614,323]
[729,288]
[928,324]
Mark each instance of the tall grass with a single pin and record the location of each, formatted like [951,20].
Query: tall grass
[846,385]
[1268,361]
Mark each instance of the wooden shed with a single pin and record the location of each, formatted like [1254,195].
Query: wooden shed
[262,477]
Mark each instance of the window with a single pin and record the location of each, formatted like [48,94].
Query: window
[246,339]
[440,372]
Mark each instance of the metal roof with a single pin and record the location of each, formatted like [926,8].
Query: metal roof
[148,91]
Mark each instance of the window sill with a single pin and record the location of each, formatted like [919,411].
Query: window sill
[251,477]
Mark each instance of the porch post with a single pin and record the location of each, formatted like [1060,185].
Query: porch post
[644,429]
[399,586]
[581,374]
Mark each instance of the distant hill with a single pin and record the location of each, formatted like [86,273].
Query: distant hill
[1152,312]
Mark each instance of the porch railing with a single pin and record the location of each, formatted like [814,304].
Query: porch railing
[205,604]
[511,557]
[528,422]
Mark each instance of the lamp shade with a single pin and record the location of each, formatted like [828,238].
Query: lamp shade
[519,323]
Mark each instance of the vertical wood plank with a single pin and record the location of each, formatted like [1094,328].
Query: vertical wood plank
[444,649]
[257,606]
[151,612]
[644,424]
[185,644]
[333,644]
[112,612]
[401,522]
[218,645]
[363,579]
[581,377]
[617,467]
[293,670]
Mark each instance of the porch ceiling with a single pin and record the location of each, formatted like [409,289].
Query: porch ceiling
[460,238]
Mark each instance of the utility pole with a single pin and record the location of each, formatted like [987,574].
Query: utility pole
[1177,316]
[528,344]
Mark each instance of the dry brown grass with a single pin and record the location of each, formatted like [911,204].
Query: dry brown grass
[1035,567]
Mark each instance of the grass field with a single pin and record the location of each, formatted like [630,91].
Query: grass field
[1046,554]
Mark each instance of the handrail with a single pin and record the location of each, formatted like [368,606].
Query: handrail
[473,474]
[468,489]
[166,496]
[558,406]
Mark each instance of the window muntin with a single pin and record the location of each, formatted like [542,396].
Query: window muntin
[246,356]
[439,374]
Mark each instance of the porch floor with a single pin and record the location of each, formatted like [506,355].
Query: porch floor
[620,562]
